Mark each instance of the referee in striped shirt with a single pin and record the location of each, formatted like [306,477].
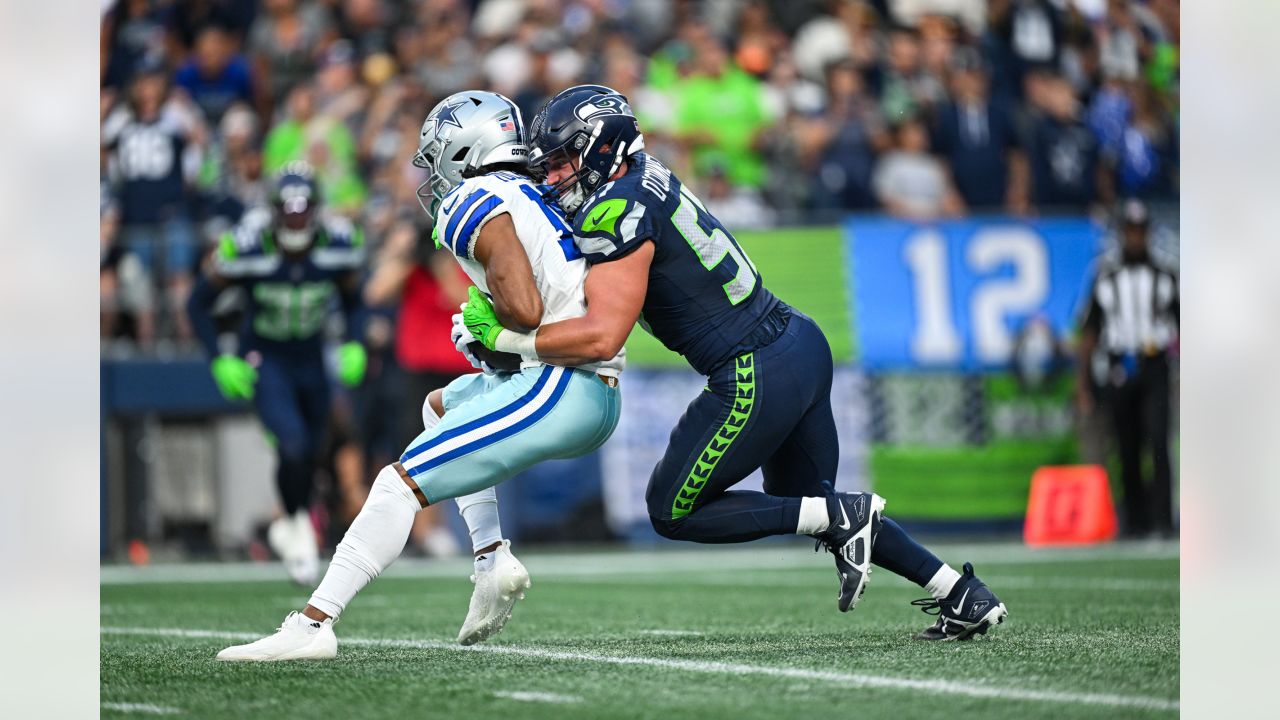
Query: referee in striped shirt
[1133,319]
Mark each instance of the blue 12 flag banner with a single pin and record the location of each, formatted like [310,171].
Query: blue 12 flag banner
[953,295]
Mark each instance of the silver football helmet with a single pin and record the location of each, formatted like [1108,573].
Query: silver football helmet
[467,130]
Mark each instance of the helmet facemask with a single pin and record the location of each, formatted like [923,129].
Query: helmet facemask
[436,186]
[570,192]
[295,217]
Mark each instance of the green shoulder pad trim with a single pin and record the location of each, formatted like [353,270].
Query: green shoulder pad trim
[435,236]
[604,216]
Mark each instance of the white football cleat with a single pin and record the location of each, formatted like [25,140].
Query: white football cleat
[294,539]
[495,594]
[298,638]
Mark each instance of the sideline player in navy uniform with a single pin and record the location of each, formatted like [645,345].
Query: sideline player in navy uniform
[291,261]
[669,264]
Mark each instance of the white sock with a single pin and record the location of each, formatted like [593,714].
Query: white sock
[375,539]
[480,511]
[813,516]
[943,581]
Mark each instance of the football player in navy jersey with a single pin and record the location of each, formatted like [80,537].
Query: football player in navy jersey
[292,262]
[661,259]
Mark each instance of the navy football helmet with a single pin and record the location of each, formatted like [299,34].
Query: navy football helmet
[591,124]
[295,200]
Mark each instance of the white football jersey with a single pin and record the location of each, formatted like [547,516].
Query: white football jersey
[559,270]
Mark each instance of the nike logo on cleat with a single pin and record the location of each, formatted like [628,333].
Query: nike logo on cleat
[960,602]
[844,524]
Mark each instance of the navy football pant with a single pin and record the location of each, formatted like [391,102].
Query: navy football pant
[767,409]
[292,399]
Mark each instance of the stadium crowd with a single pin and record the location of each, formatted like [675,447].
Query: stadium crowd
[780,111]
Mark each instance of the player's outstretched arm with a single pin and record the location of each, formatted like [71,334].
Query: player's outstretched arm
[516,299]
[615,295]
[200,308]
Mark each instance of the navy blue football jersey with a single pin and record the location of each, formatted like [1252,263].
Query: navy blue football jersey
[288,299]
[705,297]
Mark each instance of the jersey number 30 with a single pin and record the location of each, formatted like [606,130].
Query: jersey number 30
[712,247]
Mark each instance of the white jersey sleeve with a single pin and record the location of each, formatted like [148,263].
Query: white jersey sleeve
[465,210]
[559,270]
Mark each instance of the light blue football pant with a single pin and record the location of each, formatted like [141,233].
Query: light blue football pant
[495,426]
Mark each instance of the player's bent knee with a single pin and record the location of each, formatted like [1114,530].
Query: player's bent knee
[669,528]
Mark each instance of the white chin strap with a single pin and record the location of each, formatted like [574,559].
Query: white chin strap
[294,240]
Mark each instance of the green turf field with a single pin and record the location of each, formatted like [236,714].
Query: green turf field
[743,632]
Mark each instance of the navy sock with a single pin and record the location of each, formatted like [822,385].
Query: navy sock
[896,552]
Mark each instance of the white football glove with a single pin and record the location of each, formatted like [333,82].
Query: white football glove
[462,340]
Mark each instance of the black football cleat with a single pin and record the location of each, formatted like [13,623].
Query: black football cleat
[855,521]
[971,609]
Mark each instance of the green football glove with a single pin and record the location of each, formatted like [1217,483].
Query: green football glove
[352,362]
[479,317]
[234,377]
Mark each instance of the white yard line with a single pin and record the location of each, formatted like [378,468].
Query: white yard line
[142,708]
[536,696]
[943,687]
[771,556]
[672,633]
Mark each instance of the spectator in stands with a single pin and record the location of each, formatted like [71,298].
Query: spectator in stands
[284,43]
[216,76]
[976,136]
[322,141]
[231,177]
[910,183]
[133,34]
[846,139]
[152,144]
[721,114]
[1027,36]
[1065,171]
[905,87]
[339,93]
[449,62]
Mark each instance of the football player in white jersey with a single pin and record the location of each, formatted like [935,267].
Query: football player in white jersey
[483,428]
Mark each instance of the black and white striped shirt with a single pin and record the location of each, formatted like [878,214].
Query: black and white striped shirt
[1134,308]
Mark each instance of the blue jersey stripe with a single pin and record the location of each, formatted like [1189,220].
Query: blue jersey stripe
[567,246]
[455,218]
[464,238]
[468,427]
[487,440]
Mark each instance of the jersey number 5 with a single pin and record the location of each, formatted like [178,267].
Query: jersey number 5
[712,247]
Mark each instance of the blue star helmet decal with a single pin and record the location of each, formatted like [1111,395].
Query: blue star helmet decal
[445,116]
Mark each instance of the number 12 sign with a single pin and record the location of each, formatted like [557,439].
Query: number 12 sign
[953,295]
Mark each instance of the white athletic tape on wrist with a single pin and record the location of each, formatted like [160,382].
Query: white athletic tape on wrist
[522,344]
